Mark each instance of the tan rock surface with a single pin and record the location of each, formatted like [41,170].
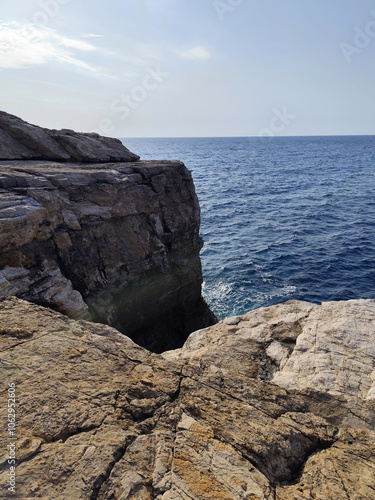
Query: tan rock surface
[100,418]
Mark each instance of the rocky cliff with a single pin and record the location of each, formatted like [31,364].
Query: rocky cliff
[278,404]
[88,230]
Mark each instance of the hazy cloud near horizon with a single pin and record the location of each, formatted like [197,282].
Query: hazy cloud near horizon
[190,67]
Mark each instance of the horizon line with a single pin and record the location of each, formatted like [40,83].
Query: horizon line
[244,136]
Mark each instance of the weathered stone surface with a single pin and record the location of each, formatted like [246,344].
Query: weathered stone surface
[113,242]
[98,417]
[117,243]
[20,140]
[336,355]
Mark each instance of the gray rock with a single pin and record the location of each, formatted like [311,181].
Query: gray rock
[20,140]
[87,233]
[233,320]
[117,243]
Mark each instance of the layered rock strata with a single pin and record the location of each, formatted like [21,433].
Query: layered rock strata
[276,404]
[115,242]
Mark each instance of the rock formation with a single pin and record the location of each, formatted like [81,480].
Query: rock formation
[22,141]
[277,404]
[116,242]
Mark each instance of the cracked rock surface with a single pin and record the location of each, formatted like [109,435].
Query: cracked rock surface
[239,412]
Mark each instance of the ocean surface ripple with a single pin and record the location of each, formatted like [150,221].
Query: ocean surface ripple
[282,218]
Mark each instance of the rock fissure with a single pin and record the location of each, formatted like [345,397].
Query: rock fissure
[173,397]
[101,268]
[102,478]
[66,434]
[345,491]
[231,396]
[28,341]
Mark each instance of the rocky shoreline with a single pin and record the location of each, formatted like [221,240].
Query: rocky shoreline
[277,404]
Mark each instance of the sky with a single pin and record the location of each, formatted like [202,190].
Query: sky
[190,68]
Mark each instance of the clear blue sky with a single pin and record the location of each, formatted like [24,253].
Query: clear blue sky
[154,68]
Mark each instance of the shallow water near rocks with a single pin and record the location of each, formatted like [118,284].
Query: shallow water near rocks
[282,218]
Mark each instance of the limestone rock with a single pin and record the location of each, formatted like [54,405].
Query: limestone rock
[20,140]
[335,352]
[99,417]
[114,242]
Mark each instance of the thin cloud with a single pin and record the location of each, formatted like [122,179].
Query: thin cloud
[26,45]
[197,53]
[92,35]
[79,45]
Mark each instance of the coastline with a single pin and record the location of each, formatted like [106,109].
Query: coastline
[277,403]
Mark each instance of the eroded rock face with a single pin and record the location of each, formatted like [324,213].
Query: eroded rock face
[222,418]
[20,140]
[113,242]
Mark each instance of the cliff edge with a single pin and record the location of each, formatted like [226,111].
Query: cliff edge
[89,230]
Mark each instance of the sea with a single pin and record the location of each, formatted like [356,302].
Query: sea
[281,217]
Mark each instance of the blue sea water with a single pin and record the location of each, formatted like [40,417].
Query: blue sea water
[282,218]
